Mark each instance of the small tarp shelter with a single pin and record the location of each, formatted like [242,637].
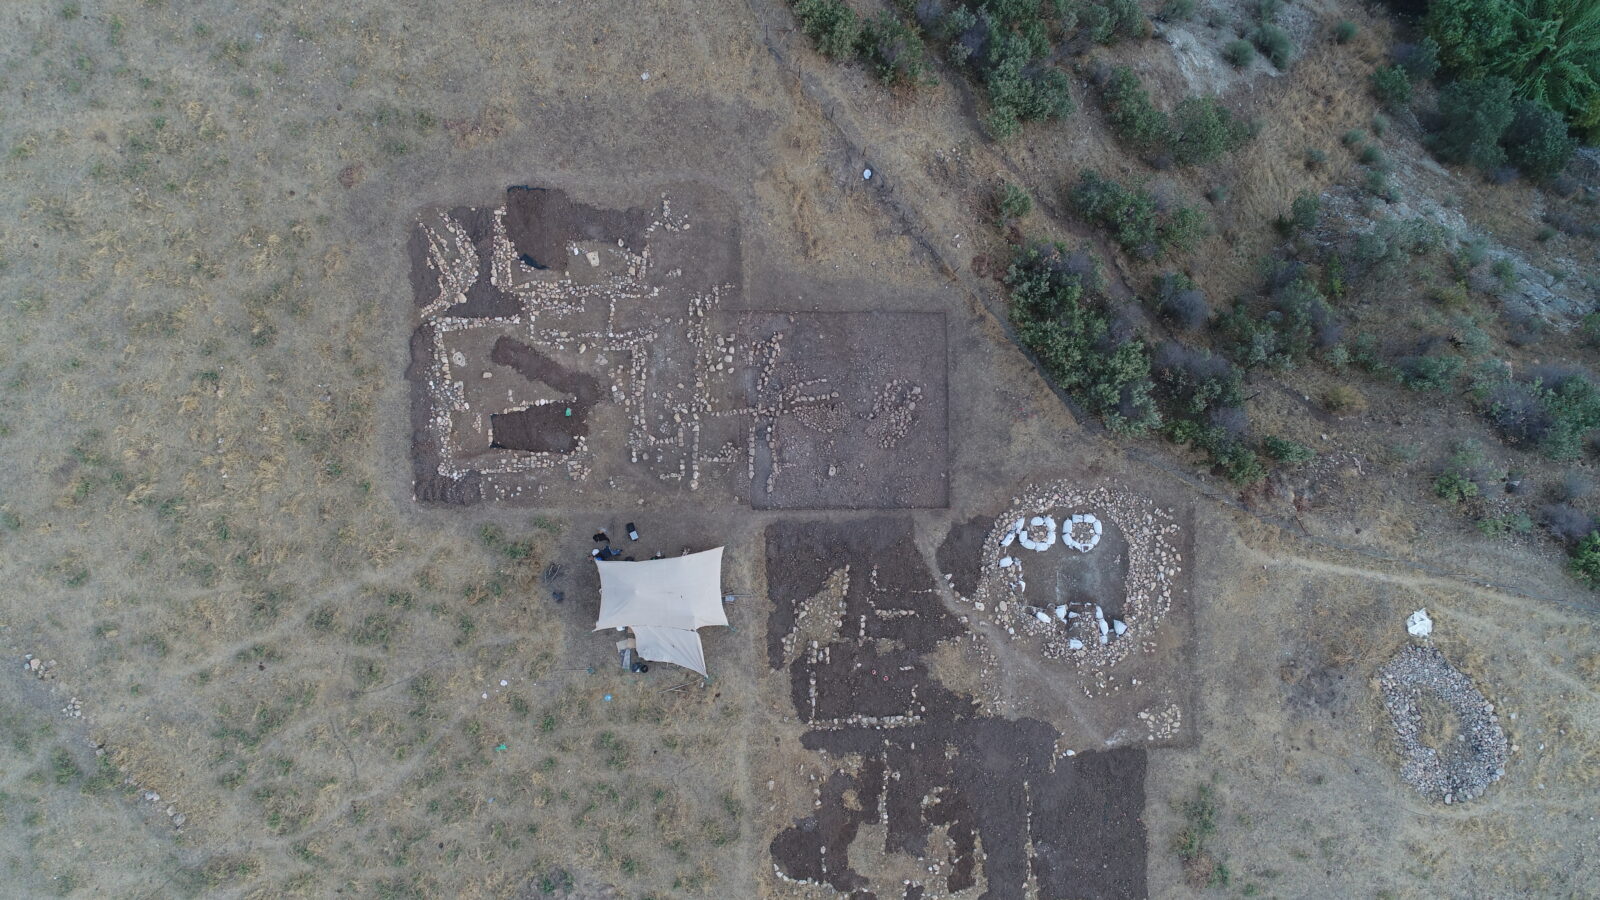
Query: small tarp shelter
[663,601]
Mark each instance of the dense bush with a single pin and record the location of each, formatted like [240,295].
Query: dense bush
[1552,411]
[1134,219]
[1056,316]
[1537,142]
[1228,450]
[1392,86]
[1193,384]
[1006,47]
[1548,49]
[1345,32]
[1287,451]
[1113,21]
[1302,215]
[1585,562]
[1420,60]
[1473,117]
[1132,114]
[894,51]
[1238,53]
[1010,204]
[1199,130]
[1019,93]
[1274,44]
[1298,322]
[1177,300]
[831,24]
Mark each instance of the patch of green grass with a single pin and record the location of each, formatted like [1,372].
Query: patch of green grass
[1199,823]
[1287,451]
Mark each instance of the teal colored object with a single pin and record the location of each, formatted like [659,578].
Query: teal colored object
[606,698]
[569,411]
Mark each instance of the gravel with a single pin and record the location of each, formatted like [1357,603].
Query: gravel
[1467,763]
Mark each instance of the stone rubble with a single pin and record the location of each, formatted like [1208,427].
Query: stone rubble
[1452,774]
[1086,636]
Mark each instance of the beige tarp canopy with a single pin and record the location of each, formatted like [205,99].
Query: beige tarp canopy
[663,601]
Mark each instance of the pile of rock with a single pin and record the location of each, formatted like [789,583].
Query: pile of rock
[1468,763]
[38,668]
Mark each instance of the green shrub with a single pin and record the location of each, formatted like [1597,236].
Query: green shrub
[1274,44]
[1116,20]
[1287,451]
[1201,129]
[1302,214]
[1056,316]
[1392,86]
[1238,53]
[1554,411]
[1585,562]
[1132,114]
[1176,11]
[1008,50]
[1455,487]
[1016,97]
[894,51]
[1473,117]
[1589,328]
[1237,462]
[1537,142]
[1378,183]
[1433,372]
[1011,203]
[1131,217]
[831,24]
[1345,32]
[1298,322]
[1510,523]
[1315,157]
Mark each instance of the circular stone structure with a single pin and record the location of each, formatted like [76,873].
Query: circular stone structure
[1093,619]
[1450,741]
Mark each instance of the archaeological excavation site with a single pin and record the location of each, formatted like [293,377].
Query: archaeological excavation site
[800,449]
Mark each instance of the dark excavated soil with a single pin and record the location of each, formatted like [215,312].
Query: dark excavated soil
[545,428]
[540,222]
[1073,823]
[961,553]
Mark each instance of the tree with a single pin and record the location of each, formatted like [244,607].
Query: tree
[1474,115]
[1392,86]
[1548,49]
[1537,141]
